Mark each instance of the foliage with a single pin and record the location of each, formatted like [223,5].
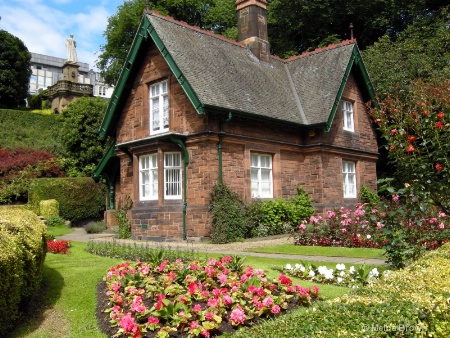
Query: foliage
[95,227]
[79,198]
[15,71]
[121,217]
[368,196]
[59,246]
[216,15]
[416,130]
[33,130]
[278,216]
[228,220]
[79,125]
[19,166]
[38,101]
[55,221]
[22,254]
[144,253]
[420,51]
[353,277]
[209,296]
[412,302]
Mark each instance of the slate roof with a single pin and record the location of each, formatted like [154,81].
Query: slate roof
[226,75]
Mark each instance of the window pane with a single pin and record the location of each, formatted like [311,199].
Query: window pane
[261,175]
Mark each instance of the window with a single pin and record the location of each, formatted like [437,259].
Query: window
[261,174]
[148,177]
[159,107]
[172,175]
[347,111]
[349,179]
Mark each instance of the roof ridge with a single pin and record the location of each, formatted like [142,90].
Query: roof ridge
[321,49]
[196,28]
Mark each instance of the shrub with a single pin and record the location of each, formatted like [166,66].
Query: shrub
[49,208]
[58,246]
[95,227]
[368,196]
[22,254]
[54,221]
[413,302]
[227,211]
[79,198]
[121,217]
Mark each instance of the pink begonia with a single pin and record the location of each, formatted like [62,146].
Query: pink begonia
[153,320]
[331,214]
[315,289]
[211,261]
[197,308]
[193,267]
[193,325]
[302,226]
[315,220]
[145,269]
[380,225]
[116,286]
[128,325]
[346,221]
[204,293]
[213,302]
[244,278]
[222,278]
[205,333]
[442,214]
[209,315]
[441,225]
[275,309]
[137,305]
[237,316]
[259,272]
[227,300]
[267,302]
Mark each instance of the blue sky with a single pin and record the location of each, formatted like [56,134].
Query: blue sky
[44,25]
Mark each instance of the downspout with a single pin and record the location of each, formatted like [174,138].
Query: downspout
[219,146]
[185,164]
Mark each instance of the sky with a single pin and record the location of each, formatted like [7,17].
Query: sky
[44,25]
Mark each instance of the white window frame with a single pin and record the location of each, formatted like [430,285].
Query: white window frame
[148,167]
[261,167]
[173,175]
[349,179]
[348,116]
[159,107]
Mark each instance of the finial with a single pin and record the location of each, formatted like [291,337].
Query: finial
[146,6]
[351,31]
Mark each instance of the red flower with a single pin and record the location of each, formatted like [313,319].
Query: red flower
[439,166]
[391,148]
[412,139]
[440,115]
[378,121]
[439,125]
[410,149]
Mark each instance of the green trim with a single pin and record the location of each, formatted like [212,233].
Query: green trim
[186,163]
[150,30]
[110,153]
[144,31]
[355,59]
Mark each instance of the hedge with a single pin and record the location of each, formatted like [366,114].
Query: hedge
[79,198]
[413,302]
[22,254]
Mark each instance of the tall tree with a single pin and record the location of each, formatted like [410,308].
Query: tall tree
[15,71]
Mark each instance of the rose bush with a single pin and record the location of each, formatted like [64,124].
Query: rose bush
[195,299]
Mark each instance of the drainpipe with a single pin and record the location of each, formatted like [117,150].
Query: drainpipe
[219,146]
[185,164]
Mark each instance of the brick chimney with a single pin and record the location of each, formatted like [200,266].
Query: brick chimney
[252,27]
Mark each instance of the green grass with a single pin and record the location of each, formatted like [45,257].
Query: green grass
[69,297]
[290,249]
[59,230]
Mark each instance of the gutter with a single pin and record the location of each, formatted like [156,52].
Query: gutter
[219,145]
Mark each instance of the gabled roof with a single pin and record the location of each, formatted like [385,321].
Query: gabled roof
[222,75]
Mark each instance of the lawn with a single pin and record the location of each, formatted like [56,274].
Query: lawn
[321,251]
[67,303]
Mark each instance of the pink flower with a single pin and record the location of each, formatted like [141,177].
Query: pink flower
[380,225]
[302,226]
[393,132]
[153,320]
[331,214]
[410,149]
[222,278]
[137,305]
[267,302]
[315,289]
[194,325]
[284,280]
[128,325]
[244,278]
[441,225]
[237,316]
[227,300]
[197,308]
[275,309]
[395,198]
[209,316]
[343,230]
[193,267]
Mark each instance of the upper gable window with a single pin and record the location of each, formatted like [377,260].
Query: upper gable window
[347,112]
[261,175]
[159,107]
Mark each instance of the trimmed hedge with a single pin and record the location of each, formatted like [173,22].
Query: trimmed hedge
[22,253]
[413,302]
[79,198]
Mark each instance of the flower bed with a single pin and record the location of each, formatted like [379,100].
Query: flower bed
[58,246]
[192,299]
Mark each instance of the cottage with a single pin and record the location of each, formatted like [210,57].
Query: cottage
[192,109]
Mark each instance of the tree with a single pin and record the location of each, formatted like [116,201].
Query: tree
[416,128]
[82,147]
[15,71]
[422,51]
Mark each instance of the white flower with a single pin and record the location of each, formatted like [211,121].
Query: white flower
[369,237]
[342,274]
[300,267]
[340,266]
[386,273]
[311,273]
[374,273]
[339,280]
[288,267]
[329,274]
[352,270]
[322,270]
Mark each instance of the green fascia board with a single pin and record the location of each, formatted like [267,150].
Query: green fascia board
[355,60]
[144,31]
[110,153]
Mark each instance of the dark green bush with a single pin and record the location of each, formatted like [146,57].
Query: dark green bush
[54,221]
[228,219]
[121,217]
[368,196]
[79,198]
[22,253]
[95,227]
